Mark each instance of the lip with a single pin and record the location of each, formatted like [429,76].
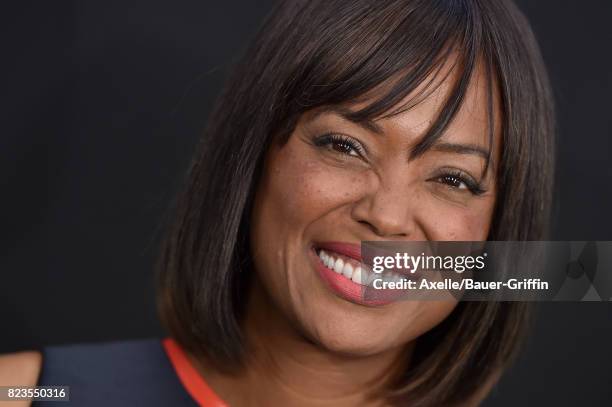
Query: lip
[345,288]
[351,250]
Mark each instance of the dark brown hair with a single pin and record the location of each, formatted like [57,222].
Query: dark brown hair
[315,53]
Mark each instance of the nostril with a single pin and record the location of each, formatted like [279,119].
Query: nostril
[369,226]
[381,232]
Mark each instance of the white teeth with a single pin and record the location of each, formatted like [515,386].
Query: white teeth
[347,271]
[339,266]
[325,258]
[356,277]
[365,277]
[359,274]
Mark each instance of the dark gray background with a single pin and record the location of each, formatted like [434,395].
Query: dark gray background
[102,104]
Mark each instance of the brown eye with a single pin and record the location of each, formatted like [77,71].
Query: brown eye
[344,148]
[341,144]
[459,181]
[454,182]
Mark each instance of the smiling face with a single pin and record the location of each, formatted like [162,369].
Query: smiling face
[335,183]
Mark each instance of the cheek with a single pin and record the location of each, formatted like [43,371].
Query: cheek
[298,188]
[447,222]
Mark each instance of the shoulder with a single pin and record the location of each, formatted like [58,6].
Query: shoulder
[121,373]
[129,372]
[20,368]
[99,362]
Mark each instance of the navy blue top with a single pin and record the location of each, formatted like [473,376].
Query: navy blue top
[117,374]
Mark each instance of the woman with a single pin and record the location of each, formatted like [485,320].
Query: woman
[399,120]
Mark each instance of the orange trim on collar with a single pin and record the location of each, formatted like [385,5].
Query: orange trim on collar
[189,376]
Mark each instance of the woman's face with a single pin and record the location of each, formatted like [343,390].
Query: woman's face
[335,183]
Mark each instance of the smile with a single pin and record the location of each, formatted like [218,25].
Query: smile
[354,270]
[341,267]
[347,267]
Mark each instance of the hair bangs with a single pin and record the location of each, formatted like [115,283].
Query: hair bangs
[394,62]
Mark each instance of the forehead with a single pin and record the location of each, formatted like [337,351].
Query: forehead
[413,117]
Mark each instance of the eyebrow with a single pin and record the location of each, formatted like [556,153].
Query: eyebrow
[348,115]
[461,149]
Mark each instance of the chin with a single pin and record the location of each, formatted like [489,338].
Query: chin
[345,333]
[354,345]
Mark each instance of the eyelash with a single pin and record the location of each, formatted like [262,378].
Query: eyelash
[345,142]
[453,178]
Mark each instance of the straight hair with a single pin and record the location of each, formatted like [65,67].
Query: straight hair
[317,53]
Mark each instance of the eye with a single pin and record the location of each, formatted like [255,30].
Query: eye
[454,181]
[341,144]
[460,181]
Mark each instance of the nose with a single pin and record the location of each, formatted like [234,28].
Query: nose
[386,212]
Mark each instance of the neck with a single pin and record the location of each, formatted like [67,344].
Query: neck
[283,367]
